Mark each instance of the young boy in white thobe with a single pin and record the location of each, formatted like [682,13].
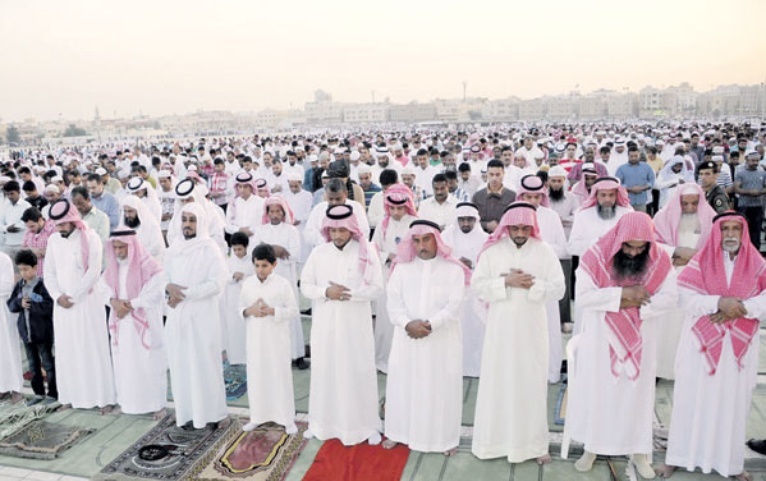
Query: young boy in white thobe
[240,269]
[267,303]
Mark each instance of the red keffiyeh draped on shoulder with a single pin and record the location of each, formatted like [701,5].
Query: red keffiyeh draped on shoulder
[706,275]
[626,344]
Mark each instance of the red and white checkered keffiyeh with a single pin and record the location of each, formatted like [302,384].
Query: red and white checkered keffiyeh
[626,344]
[706,274]
[667,219]
[606,183]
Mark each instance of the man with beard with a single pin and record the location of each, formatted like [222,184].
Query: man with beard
[465,238]
[562,201]
[607,203]
[439,209]
[278,231]
[425,381]
[625,285]
[682,227]
[341,278]
[73,266]
[145,225]
[518,274]
[195,274]
[723,291]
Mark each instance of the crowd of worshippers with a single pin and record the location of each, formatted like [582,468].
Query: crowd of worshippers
[424,255]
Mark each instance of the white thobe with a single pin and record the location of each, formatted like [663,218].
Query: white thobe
[552,232]
[287,236]
[566,209]
[193,333]
[473,313]
[442,214]
[140,374]
[511,406]
[707,427]
[425,380]
[150,236]
[669,331]
[588,227]
[384,329]
[245,213]
[10,347]
[300,204]
[269,371]
[343,396]
[84,373]
[233,326]
[613,415]
[375,211]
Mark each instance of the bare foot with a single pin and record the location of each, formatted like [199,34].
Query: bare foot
[16,397]
[308,434]
[544,459]
[116,410]
[665,471]
[64,407]
[291,429]
[159,414]
[744,476]
[374,439]
[224,423]
[388,444]
[106,410]
[451,452]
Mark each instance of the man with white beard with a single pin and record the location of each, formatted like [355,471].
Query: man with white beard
[195,273]
[532,190]
[399,208]
[723,292]
[466,237]
[682,227]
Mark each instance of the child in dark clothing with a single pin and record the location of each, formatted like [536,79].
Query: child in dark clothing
[30,299]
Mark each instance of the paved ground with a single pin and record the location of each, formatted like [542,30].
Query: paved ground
[116,432]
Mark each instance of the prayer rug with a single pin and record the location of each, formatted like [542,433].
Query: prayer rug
[13,417]
[362,462]
[264,454]
[560,414]
[42,440]
[235,379]
[168,452]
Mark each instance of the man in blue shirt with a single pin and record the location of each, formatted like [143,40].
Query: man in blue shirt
[637,178]
[103,201]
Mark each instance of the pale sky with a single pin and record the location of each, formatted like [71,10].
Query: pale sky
[169,56]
